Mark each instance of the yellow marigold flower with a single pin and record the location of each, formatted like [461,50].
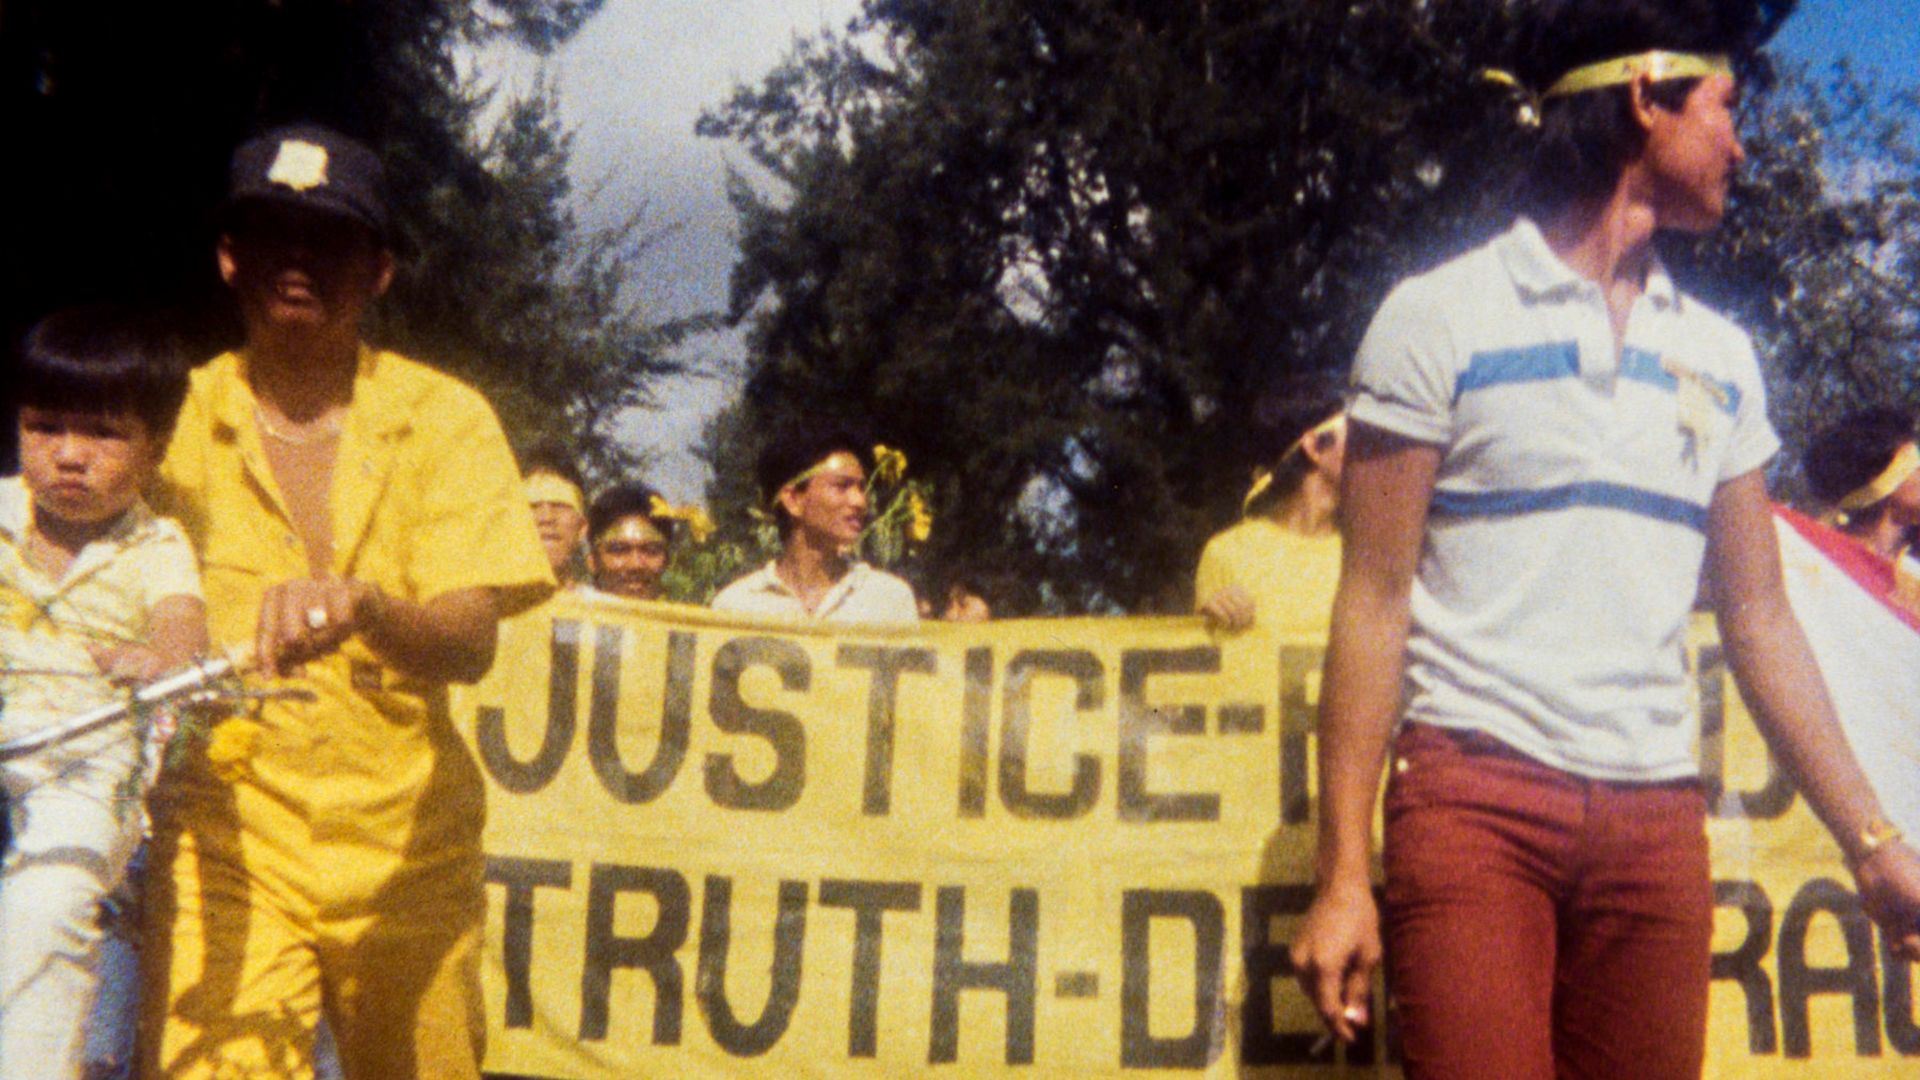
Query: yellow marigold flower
[889,465]
[920,518]
[697,521]
[699,524]
[230,747]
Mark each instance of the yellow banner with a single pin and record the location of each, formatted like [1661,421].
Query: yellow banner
[1056,848]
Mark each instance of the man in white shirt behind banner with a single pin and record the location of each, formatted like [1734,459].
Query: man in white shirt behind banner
[815,480]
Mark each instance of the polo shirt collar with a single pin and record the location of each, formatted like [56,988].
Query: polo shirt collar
[375,428]
[1539,274]
[375,414]
[770,581]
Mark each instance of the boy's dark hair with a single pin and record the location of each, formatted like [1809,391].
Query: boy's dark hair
[625,501]
[1290,469]
[104,358]
[1586,139]
[795,450]
[1847,454]
[552,457]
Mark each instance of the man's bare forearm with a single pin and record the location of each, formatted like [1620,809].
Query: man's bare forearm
[449,638]
[1386,488]
[1784,691]
[1775,667]
[1360,700]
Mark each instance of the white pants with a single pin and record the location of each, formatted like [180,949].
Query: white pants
[75,820]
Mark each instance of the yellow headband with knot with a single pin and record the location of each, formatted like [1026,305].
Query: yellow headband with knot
[1657,64]
[1529,112]
[1906,462]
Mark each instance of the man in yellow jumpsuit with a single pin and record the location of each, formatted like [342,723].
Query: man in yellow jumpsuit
[362,526]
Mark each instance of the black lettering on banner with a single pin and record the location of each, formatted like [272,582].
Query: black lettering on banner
[870,901]
[1139,722]
[490,726]
[653,954]
[1800,981]
[1266,963]
[782,731]
[1298,715]
[521,877]
[1016,978]
[883,692]
[976,722]
[1198,1048]
[603,719]
[710,980]
[1085,670]
[1903,1030]
[1775,797]
[1743,967]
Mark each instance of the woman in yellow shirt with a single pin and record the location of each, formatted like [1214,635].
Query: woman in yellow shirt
[1281,562]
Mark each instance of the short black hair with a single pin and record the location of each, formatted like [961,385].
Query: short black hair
[553,457]
[1845,455]
[798,448]
[1586,139]
[104,358]
[625,501]
[1290,469]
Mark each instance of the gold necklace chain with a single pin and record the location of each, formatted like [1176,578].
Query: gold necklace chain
[328,430]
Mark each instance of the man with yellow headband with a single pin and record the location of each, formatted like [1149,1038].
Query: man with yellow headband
[1281,562]
[557,497]
[1546,400]
[1865,469]
[815,481]
[631,542]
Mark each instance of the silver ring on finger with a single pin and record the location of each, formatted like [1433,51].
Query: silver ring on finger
[316,618]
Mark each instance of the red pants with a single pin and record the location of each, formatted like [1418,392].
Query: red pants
[1539,924]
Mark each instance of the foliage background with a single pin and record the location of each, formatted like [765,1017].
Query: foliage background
[121,116]
[1085,260]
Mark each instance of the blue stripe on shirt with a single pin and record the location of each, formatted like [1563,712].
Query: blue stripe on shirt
[1561,360]
[1534,363]
[1597,494]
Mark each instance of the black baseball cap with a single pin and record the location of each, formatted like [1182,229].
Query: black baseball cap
[313,167]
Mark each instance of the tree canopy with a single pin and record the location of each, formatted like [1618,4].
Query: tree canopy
[1083,260]
[121,117]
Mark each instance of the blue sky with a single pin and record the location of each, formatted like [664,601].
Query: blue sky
[1878,35]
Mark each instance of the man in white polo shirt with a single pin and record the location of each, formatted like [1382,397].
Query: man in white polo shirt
[1544,402]
[815,480]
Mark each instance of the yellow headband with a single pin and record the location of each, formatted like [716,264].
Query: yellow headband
[1657,65]
[637,527]
[818,467]
[1906,462]
[544,487]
